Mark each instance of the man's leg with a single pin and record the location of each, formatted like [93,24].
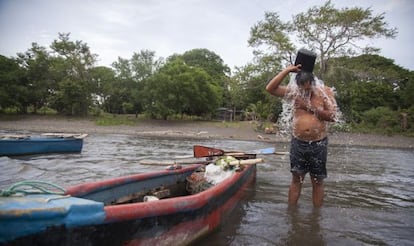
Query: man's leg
[317,192]
[295,188]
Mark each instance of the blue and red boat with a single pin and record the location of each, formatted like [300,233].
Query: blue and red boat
[157,208]
[13,145]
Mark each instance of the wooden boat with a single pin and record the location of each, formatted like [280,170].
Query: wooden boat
[113,211]
[12,145]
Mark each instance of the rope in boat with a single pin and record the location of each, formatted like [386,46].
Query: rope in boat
[40,187]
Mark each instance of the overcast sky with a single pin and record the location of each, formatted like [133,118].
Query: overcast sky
[115,29]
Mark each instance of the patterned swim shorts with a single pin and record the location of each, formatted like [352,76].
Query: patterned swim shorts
[309,156]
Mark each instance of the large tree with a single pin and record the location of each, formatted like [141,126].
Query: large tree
[144,64]
[180,89]
[102,79]
[368,81]
[328,31]
[213,65]
[36,63]
[209,61]
[13,85]
[71,62]
[127,91]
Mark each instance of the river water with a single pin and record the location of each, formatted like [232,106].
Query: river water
[369,194]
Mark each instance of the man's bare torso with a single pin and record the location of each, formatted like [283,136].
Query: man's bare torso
[306,125]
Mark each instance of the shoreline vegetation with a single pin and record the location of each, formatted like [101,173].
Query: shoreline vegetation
[184,129]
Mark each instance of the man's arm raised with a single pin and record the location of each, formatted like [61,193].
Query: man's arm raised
[274,88]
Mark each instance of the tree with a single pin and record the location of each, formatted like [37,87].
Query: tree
[131,74]
[70,98]
[102,79]
[144,64]
[212,64]
[209,61]
[13,85]
[329,31]
[179,89]
[273,34]
[366,82]
[36,63]
[71,63]
[249,83]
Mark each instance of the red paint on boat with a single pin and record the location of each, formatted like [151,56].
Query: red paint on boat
[188,231]
[81,189]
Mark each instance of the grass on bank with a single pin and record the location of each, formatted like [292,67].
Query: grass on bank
[131,120]
[105,119]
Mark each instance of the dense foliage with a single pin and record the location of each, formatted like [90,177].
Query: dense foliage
[372,92]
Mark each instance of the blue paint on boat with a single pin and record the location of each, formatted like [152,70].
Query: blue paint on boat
[113,211]
[39,145]
[26,215]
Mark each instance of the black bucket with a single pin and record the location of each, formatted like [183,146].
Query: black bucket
[307,59]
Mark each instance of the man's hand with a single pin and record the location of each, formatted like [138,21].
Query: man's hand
[293,68]
[301,103]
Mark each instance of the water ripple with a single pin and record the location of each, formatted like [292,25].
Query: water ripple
[369,196]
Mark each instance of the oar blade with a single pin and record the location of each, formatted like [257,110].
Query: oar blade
[203,151]
[265,151]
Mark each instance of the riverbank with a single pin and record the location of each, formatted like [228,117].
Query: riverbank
[184,129]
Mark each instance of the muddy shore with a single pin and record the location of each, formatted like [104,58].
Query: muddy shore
[185,129]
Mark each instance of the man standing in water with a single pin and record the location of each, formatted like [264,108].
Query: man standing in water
[313,107]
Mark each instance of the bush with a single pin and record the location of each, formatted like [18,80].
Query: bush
[381,119]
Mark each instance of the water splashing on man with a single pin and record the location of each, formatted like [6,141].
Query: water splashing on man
[313,107]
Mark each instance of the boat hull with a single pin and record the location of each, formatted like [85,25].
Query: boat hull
[177,220]
[39,145]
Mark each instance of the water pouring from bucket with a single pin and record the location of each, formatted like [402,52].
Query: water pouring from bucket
[307,60]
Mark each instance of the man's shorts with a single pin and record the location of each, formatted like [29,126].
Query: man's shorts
[309,156]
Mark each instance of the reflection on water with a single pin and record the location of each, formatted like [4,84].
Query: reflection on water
[369,191]
[304,228]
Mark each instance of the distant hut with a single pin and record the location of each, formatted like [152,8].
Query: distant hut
[224,114]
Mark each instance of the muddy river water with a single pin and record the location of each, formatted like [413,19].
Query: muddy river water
[369,194]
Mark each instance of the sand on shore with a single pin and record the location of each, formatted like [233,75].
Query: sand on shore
[186,129]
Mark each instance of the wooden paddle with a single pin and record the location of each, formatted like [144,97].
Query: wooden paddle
[203,161]
[204,151]
[246,162]
[186,161]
